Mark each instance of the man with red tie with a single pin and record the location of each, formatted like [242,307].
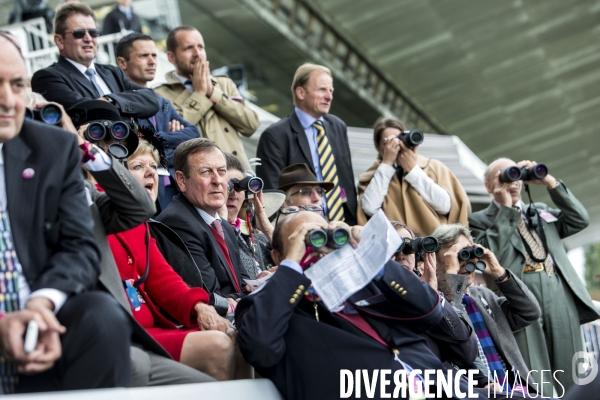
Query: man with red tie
[201,175]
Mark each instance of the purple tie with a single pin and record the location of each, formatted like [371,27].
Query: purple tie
[217,227]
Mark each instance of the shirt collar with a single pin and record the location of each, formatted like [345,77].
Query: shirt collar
[1,154]
[209,219]
[183,79]
[306,120]
[82,68]
[124,10]
[519,204]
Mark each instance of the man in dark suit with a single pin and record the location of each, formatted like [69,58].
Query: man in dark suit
[121,18]
[136,56]
[49,256]
[75,77]
[536,255]
[312,136]
[201,174]
[302,346]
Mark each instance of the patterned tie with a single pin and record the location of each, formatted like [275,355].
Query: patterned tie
[9,293]
[216,224]
[534,242]
[91,74]
[485,340]
[329,173]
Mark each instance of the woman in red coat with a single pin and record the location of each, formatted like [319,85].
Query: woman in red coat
[205,340]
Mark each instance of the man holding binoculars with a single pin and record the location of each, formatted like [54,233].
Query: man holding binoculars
[527,241]
[291,338]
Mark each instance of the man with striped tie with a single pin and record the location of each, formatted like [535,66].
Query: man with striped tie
[312,136]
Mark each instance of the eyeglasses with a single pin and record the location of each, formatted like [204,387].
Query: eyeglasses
[294,209]
[308,191]
[80,33]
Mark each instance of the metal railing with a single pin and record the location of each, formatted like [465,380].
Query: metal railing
[32,35]
[318,37]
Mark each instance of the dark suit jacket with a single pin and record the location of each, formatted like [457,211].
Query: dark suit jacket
[50,222]
[281,338]
[115,21]
[122,205]
[515,310]
[284,143]
[63,83]
[496,229]
[184,219]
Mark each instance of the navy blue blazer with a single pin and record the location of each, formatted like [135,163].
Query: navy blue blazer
[166,113]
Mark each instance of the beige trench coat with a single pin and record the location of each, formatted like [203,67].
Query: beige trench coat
[219,122]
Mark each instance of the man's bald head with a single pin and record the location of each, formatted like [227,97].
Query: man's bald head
[13,84]
[288,226]
[495,166]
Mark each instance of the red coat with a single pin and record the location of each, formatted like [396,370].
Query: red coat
[163,289]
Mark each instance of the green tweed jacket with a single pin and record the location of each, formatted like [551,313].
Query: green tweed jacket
[496,229]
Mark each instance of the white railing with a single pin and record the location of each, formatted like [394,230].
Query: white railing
[31,34]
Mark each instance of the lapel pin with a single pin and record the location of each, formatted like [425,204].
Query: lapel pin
[28,173]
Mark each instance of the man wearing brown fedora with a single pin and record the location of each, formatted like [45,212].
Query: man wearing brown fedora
[301,186]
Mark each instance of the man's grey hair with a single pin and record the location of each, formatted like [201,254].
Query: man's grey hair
[447,235]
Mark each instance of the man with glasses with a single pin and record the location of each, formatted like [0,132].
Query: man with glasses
[302,190]
[75,77]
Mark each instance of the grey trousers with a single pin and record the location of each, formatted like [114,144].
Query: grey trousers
[551,342]
[150,369]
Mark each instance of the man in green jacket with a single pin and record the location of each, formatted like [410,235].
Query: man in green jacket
[539,259]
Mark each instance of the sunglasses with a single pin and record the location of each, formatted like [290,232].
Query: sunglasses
[294,209]
[80,33]
[308,191]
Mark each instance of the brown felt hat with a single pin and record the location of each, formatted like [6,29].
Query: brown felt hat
[300,174]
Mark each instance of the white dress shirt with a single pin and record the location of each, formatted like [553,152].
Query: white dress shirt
[435,195]
[82,68]
[209,219]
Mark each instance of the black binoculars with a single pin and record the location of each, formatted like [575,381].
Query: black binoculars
[119,130]
[512,174]
[411,138]
[427,244]
[251,184]
[50,114]
[334,239]
[472,252]
[97,130]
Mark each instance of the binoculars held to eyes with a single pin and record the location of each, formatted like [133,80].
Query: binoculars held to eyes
[119,130]
[472,252]
[334,238]
[251,184]
[427,244]
[513,174]
[411,138]
[50,114]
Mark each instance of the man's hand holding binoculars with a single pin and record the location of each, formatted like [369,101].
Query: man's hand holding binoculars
[549,180]
[296,246]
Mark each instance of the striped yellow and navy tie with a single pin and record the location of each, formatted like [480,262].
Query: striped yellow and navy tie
[329,173]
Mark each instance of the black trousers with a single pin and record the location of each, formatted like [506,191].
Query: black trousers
[95,348]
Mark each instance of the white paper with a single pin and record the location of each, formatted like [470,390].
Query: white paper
[345,271]
[257,284]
